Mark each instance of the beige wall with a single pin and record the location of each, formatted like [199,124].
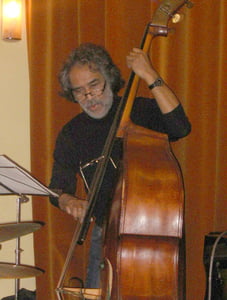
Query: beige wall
[15,143]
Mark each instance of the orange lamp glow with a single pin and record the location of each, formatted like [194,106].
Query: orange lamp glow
[11,19]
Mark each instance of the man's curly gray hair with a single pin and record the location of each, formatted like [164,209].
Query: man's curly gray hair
[98,59]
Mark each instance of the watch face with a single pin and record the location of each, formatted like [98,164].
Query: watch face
[158,82]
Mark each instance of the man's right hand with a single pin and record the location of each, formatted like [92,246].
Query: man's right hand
[73,206]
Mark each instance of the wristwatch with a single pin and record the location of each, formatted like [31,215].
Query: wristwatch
[157,82]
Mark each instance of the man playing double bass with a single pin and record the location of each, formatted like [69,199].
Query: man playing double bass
[91,79]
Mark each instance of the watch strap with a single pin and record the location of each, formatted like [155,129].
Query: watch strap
[157,82]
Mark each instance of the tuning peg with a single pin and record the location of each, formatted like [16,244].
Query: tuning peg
[189,4]
[177,18]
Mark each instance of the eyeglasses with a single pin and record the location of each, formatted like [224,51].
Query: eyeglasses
[95,89]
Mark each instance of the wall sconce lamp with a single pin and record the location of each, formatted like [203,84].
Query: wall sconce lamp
[11,20]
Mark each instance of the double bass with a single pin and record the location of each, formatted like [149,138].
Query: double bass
[143,253]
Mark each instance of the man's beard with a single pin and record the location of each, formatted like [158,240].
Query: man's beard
[106,103]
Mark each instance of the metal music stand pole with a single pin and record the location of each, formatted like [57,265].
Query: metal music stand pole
[21,199]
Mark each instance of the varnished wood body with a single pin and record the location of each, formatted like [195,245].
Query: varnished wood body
[145,231]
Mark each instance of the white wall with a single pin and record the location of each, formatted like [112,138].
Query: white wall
[15,143]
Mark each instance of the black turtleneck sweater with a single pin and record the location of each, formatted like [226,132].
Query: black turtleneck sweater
[82,139]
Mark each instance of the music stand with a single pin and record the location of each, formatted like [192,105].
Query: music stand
[15,180]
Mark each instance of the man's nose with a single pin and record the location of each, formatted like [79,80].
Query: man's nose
[88,94]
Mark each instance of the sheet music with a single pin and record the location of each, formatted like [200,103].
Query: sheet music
[16,180]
